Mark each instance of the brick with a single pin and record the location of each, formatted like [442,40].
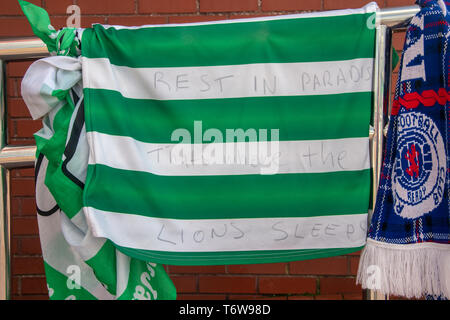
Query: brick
[106,6]
[269,268]
[24,226]
[17,108]
[14,246]
[17,68]
[11,87]
[11,129]
[348,4]
[21,141]
[31,297]
[135,20]
[227,284]
[300,297]
[292,285]
[34,285]
[339,285]
[28,206]
[23,172]
[354,263]
[196,269]
[167,6]
[331,266]
[15,285]
[12,7]
[353,296]
[251,15]
[88,21]
[356,253]
[397,67]
[15,207]
[30,246]
[398,40]
[58,6]
[291,5]
[185,284]
[26,128]
[328,297]
[22,187]
[399,3]
[58,22]
[228,6]
[190,296]
[192,19]
[27,265]
[15,27]
[256,297]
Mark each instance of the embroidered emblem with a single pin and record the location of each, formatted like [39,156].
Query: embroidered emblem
[418,175]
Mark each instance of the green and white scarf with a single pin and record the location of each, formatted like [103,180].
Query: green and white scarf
[77,264]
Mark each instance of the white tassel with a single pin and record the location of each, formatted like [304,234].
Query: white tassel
[412,270]
[445,274]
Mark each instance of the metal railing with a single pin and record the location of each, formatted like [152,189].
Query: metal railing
[23,156]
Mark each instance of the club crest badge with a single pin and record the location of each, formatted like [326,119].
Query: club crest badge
[418,174]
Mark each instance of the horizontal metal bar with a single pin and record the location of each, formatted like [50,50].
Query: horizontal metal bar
[17,156]
[25,48]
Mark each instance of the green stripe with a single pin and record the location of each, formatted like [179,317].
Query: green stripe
[296,117]
[241,257]
[285,40]
[104,264]
[227,197]
[159,282]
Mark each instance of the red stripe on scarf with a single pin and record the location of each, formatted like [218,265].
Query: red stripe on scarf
[428,98]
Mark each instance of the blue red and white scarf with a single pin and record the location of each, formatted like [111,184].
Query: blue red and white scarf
[408,246]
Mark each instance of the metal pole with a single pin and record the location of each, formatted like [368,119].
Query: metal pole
[381,81]
[4,212]
[24,48]
[5,266]
[14,156]
[17,156]
[11,156]
[393,16]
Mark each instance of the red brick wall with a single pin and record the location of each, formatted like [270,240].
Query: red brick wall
[330,278]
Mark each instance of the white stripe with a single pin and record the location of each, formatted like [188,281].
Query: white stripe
[370,7]
[123,272]
[217,235]
[230,81]
[83,243]
[308,156]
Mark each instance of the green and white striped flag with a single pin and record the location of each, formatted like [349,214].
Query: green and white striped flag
[230,142]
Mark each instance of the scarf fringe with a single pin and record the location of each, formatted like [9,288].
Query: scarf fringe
[411,271]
